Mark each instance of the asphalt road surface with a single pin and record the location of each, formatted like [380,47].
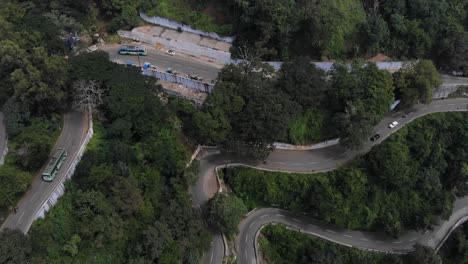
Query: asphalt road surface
[179,63]
[2,135]
[323,160]
[71,137]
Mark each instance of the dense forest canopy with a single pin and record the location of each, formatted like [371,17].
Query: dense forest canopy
[252,106]
[287,29]
[128,201]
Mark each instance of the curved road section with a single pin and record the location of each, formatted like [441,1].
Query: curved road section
[318,160]
[71,138]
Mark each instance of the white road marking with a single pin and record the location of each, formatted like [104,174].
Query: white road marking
[330,231]
[34,196]
[280,215]
[312,163]
[451,104]
[279,162]
[397,242]
[347,235]
[245,253]
[263,216]
[211,259]
[437,105]
[297,220]
[21,216]
[313,226]
[364,239]
[246,238]
[297,164]
[416,238]
[250,226]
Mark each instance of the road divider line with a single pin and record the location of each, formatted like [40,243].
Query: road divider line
[313,226]
[263,216]
[364,239]
[297,220]
[397,242]
[21,216]
[347,236]
[416,238]
[330,231]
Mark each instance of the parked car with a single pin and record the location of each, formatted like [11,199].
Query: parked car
[170,52]
[393,124]
[375,137]
[195,77]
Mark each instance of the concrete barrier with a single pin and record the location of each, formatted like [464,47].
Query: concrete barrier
[279,145]
[5,151]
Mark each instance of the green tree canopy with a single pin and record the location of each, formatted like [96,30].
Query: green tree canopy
[226,211]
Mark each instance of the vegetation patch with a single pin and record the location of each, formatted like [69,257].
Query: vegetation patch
[279,245]
[189,13]
[28,150]
[455,249]
[309,128]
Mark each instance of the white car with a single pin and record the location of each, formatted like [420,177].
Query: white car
[170,52]
[393,124]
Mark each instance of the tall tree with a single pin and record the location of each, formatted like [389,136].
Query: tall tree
[15,247]
[361,94]
[226,211]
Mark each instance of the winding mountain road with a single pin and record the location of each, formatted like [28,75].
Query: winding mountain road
[71,138]
[318,160]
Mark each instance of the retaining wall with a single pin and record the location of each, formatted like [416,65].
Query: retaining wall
[168,77]
[5,151]
[176,25]
[324,144]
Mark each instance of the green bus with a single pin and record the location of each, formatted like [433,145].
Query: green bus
[132,50]
[54,165]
